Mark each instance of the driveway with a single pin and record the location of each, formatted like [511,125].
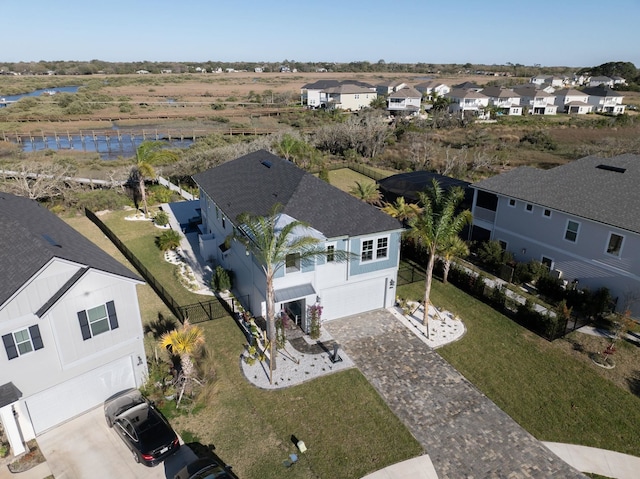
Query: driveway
[86,447]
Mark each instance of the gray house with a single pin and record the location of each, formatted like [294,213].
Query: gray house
[254,183]
[69,321]
[581,219]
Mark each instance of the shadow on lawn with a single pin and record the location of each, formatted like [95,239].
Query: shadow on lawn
[634,383]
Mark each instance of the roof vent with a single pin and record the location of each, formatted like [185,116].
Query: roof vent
[615,169]
[266,163]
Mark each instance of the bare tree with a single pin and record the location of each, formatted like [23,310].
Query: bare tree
[37,180]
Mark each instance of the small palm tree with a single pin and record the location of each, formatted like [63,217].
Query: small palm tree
[401,210]
[185,342]
[169,239]
[148,155]
[368,192]
[455,247]
[435,225]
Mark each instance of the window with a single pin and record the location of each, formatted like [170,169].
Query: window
[548,262]
[367,250]
[22,342]
[383,244]
[512,202]
[529,207]
[98,320]
[571,234]
[615,244]
[331,253]
[503,245]
[381,250]
[292,262]
[547,213]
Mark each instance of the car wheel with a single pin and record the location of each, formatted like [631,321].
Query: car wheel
[135,456]
[109,421]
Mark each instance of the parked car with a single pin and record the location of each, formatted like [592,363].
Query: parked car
[142,427]
[205,468]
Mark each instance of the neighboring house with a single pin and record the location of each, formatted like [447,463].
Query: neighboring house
[600,81]
[253,184]
[315,95]
[618,81]
[468,102]
[468,85]
[432,88]
[539,79]
[350,97]
[538,102]
[406,100]
[69,321]
[581,219]
[573,101]
[385,88]
[505,100]
[605,100]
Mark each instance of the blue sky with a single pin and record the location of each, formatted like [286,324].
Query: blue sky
[551,33]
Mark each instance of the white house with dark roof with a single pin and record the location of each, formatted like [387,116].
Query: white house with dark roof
[432,88]
[605,100]
[581,219]
[404,101]
[253,184]
[345,94]
[69,321]
[505,100]
[600,81]
[538,102]
[468,103]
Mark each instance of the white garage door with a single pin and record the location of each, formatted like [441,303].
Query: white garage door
[71,398]
[354,298]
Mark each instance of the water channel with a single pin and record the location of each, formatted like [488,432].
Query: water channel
[120,143]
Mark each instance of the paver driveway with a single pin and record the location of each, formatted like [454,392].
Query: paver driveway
[465,434]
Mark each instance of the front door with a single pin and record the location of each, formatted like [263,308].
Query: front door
[296,311]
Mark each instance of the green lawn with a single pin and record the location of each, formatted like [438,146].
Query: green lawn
[348,429]
[551,394]
[345,179]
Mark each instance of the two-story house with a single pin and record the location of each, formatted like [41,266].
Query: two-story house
[313,95]
[573,101]
[581,219]
[404,101]
[605,100]
[69,321]
[432,88]
[505,100]
[468,102]
[253,184]
[538,102]
[350,97]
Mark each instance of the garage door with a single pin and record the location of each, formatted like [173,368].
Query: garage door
[71,398]
[354,298]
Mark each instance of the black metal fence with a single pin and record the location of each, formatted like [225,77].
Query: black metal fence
[410,273]
[198,312]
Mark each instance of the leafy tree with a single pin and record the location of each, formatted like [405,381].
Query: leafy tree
[493,256]
[271,241]
[367,192]
[378,103]
[184,342]
[148,155]
[434,227]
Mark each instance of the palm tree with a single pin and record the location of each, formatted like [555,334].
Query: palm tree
[148,155]
[367,191]
[401,210]
[185,342]
[455,247]
[272,243]
[169,239]
[435,225]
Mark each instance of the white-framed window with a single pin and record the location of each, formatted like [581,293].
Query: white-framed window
[374,249]
[614,245]
[98,320]
[546,213]
[512,202]
[292,263]
[548,262]
[571,233]
[22,341]
[529,207]
[331,253]
[503,244]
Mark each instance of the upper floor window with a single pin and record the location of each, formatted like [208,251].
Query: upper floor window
[571,233]
[546,213]
[614,246]
[529,207]
[375,249]
[512,202]
[292,262]
[22,341]
[331,253]
[98,320]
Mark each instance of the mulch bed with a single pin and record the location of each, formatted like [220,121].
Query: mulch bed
[28,460]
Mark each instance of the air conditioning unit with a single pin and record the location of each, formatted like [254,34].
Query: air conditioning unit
[556,273]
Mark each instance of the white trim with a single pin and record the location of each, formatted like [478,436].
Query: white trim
[553,262]
[374,251]
[606,248]
[566,229]
[526,207]
[515,203]
[544,211]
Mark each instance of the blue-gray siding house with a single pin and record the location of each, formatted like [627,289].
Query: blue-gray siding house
[253,184]
[581,219]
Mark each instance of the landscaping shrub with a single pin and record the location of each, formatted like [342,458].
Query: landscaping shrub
[550,287]
[169,239]
[161,218]
[221,280]
[493,256]
[97,200]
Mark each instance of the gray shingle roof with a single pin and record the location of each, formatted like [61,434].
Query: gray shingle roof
[254,183]
[600,189]
[31,236]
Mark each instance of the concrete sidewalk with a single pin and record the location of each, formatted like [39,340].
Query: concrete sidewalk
[598,461]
